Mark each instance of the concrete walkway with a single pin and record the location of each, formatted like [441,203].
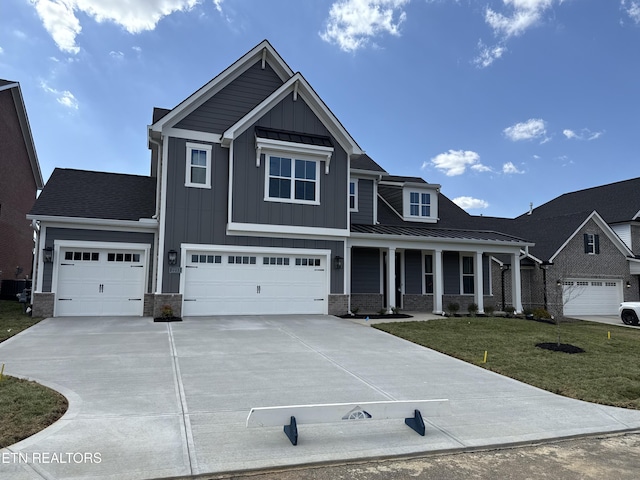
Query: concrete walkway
[153,400]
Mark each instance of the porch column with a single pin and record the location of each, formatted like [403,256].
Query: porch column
[516,288]
[391,279]
[438,282]
[479,282]
[347,274]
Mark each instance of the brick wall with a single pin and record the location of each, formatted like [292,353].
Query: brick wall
[417,303]
[17,194]
[42,304]
[338,304]
[366,302]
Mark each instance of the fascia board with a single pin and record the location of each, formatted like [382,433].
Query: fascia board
[486,246]
[23,119]
[604,226]
[147,224]
[355,172]
[313,101]
[223,79]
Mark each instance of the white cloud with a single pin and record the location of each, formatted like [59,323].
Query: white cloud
[525,14]
[1,50]
[509,168]
[585,134]
[532,128]
[59,16]
[116,55]
[64,98]
[218,5]
[632,8]
[352,23]
[455,162]
[488,55]
[469,203]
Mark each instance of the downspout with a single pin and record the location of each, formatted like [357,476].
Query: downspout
[36,256]
[157,214]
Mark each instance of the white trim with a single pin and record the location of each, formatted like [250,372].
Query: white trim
[634,266]
[375,200]
[159,255]
[462,256]
[606,229]
[235,228]
[41,246]
[192,135]
[230,189]
[353,180]
[315,152]
[404,241]
[195,100]
[433,204]
[292,179]
[356,172]
[144,224]
[208,165]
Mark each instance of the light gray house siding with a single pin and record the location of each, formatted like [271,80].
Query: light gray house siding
[234,101]
[364,215]
[78,234]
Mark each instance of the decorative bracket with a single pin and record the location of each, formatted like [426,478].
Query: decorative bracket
[264,57]
[258,155]
[295,90]
[326,164]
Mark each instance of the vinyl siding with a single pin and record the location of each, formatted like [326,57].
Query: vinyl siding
[413,272]
[234,101]
[365,270]
[364,215]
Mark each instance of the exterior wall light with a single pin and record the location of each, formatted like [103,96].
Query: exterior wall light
[628,284]
[47,255]
[559,283]
[337,262]
[172,257]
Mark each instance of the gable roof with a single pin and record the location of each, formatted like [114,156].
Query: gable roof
[96,195]
[293,137]
[264,52]
[365,162]
[615,202]
[298,86]
[23,119]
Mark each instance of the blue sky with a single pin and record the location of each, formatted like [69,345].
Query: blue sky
[502,102]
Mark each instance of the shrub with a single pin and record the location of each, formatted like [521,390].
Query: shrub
[453,307]
[167,311]
[541,313]
[489,309]
[355,310]
[509,310]
[473,309]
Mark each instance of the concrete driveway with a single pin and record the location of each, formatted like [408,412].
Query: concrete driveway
[154,400]
[608,319]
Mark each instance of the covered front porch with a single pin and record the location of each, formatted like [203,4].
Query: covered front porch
[420,274]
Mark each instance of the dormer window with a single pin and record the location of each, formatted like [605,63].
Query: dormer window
[419,204]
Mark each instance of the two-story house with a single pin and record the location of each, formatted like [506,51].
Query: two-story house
[259,201]
[20,179]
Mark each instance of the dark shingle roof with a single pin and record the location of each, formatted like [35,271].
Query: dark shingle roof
[158,113]
[296,137]
[84,194]
[615,202]
[365,162]
[401,179]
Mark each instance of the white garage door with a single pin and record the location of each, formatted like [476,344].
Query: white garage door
[100,282]
[591,297]
[248,283]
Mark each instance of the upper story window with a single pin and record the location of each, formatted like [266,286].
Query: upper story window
[591,243]
[198,168]
[419,204]
[353,195]
[293,180]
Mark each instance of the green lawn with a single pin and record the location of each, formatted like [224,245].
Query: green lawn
[13,319]
[607,373]
[25,407]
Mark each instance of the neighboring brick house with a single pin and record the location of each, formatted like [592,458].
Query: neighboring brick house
[587,245]
[20,179]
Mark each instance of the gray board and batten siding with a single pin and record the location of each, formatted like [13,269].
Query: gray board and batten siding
[77,234]
[249,205]
[364,215]
[234,101]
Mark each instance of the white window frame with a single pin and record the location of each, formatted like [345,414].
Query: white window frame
[433,205]
[355,194]
[463,275]
[591,244]
[425,273]
[207,149]
[292,199]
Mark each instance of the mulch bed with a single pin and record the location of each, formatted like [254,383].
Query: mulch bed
[167,319]
[563,347]
[377,316]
